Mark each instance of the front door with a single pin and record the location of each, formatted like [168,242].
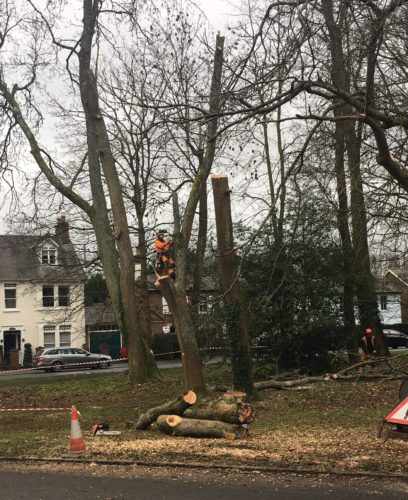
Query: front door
[12,340]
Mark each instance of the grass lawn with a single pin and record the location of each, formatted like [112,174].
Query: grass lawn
[331,425]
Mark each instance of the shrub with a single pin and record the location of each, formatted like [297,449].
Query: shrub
[313,350]
[28,356]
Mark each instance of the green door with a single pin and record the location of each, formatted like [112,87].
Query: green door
[110,338]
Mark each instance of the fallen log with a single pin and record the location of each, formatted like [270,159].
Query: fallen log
[175,407]
[274,384]
[186,427]
[225,410]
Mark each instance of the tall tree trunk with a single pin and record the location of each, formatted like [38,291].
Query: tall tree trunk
[346,244]
[175,293]
[175,296]
[235,300]
[143,286]
[200,249]
[141,362]
[363,280]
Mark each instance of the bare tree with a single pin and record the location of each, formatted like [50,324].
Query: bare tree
[115,249]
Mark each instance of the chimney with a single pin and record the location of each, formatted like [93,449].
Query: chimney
[62,230]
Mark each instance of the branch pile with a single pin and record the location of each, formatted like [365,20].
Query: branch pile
[226,417]
[378,369]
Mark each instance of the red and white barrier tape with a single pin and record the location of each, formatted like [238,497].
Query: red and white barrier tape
[118,360]
[33,409]
[64,365]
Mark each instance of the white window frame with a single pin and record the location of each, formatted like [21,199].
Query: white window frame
[52,287]
[56,289]
[49,254]
[49,329]
[10,287]
[384,302]
[59,296]
[65,329]
[203,307]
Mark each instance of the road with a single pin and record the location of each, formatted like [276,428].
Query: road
[115,368]
[18,483]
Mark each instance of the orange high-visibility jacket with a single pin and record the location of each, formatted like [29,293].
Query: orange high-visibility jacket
[162,246]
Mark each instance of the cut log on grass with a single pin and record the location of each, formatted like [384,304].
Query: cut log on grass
[176,407]
[235,395]
[288,384]
[187,427]
[225,410]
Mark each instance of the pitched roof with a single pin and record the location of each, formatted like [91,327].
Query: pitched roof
[19,260]
[401,274]
[98,314]
[386,287]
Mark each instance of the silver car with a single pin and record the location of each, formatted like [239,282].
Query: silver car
[58,358]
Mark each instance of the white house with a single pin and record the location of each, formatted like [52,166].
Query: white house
[41,291]
[389,303]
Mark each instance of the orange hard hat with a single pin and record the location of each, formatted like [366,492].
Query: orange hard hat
[368,331]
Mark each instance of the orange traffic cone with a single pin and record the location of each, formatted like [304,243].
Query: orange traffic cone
[76,443]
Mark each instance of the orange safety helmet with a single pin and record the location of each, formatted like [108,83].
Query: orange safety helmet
[368,331]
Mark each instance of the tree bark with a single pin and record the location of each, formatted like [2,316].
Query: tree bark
[185,331]
[200,249]
[176,407]
[346,244]
[179,426]
[175,293]
[364,282]
[141,362]
[235,301]
[142,286]
[235,412]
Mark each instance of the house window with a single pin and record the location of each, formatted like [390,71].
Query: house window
[49,336]
[49,255]
[65,335]
[53,296]
[10,295]
[48,296]
[203,308]
[63,296]
[383,302]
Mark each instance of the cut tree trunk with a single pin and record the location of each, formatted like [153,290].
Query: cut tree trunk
[175,296]
[236,304]
[177,407]
[179,426]
[232,412]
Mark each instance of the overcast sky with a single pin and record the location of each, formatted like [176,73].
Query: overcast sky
[217,12]
[219,15]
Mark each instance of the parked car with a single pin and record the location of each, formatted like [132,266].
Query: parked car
[57,358]
[396,339]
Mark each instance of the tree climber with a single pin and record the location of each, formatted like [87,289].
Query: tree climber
[165,265]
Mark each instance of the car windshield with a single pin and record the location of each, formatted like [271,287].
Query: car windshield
[38,353]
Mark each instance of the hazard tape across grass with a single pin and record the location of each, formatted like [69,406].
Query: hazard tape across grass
[328,426]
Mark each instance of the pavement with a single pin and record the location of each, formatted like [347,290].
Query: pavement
[84,482]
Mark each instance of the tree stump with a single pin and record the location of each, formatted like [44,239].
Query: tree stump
[175,407]
[186,427]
